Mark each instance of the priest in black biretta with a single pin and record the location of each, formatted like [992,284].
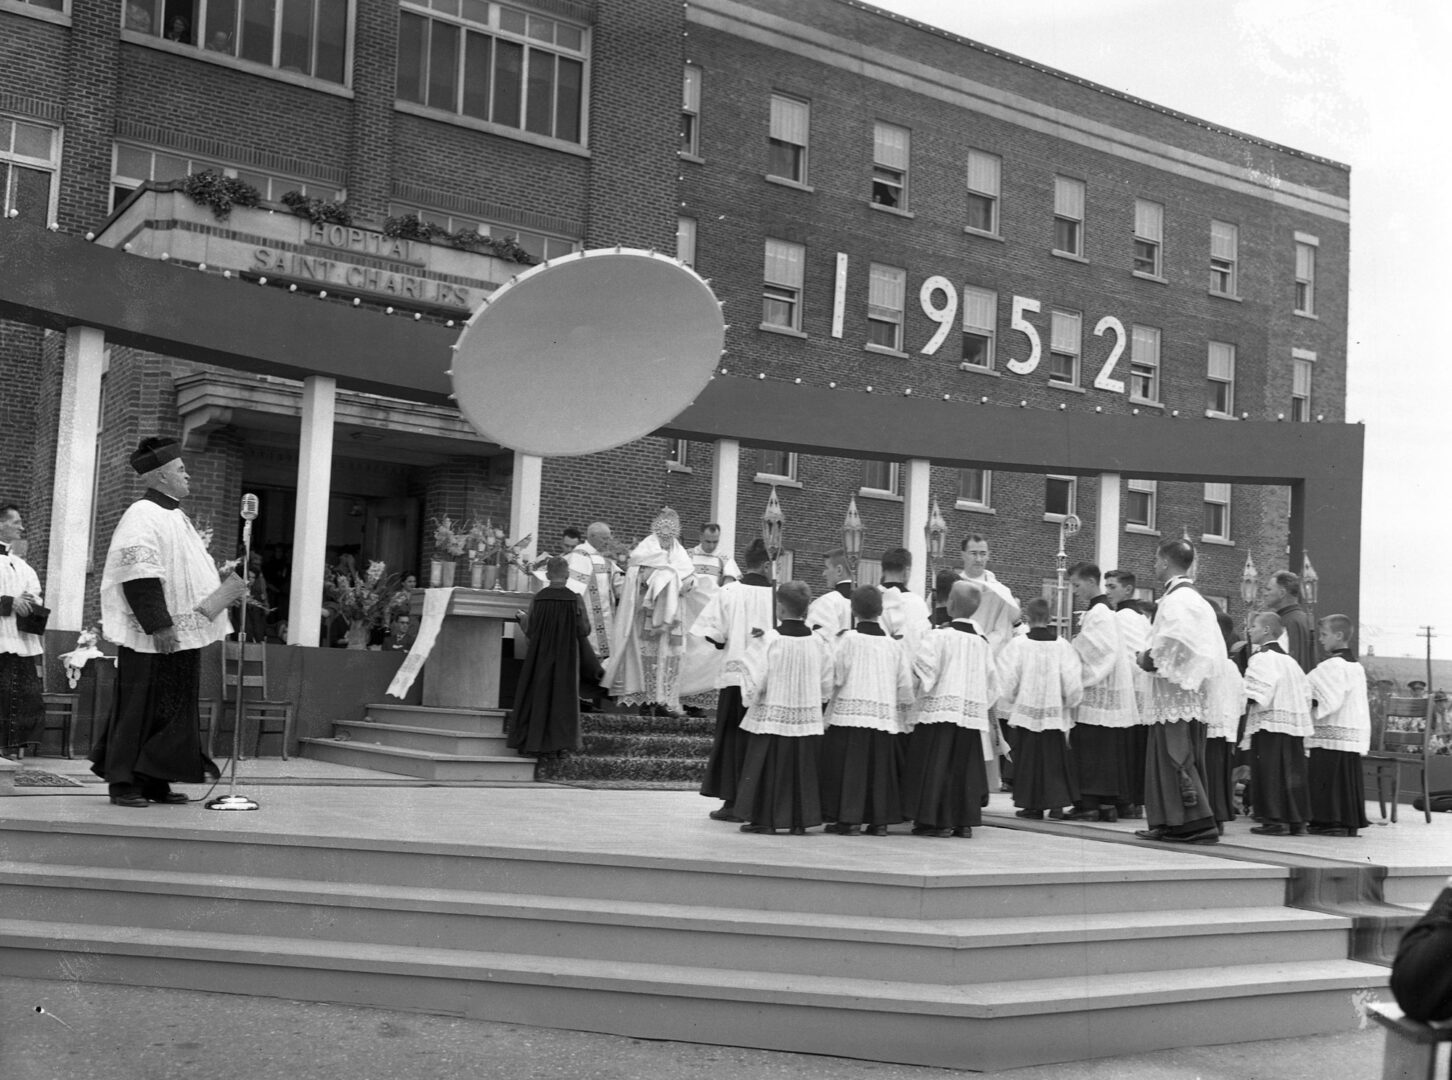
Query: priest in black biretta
[560,667]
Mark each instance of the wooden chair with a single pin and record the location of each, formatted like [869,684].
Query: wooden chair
[210,710]
[1397,749]
[60,715]
[1413,1051]
[272,718]
[244,682]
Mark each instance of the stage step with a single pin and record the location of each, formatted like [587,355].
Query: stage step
[419,763]
[992,1025]
[429,740]
[466,721]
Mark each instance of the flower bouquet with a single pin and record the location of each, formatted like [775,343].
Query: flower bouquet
[449,543]
[365,601]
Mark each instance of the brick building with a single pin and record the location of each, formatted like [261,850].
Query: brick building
[881,205]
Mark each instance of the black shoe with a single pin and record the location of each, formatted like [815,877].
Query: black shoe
[724,814]
[843,829]
[942,833]
[169,798]
[1108,814]
[1329,830]
[133,800]
[1298,830]
[748,827]
[1271,828]
[877,830]
[964,832]
[1031,815]
[1150,834]
[1204,837]
[798,830]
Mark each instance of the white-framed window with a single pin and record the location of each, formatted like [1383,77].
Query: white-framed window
[1068,216]
[1217,512]
[787,139]
[886,296]
[975,489]
[58,6]
[134,164]
[1061,495]
[678,453]
[513,69]
[29,162]
[980,317]
[686,240]
[1224,257]
[869,571]
[541,245]
[1220,380]
[1140,504]
[305,37]
[880,478]
[691,112]
[890,152]
[1149,237]
[1065,334]
[985,178]
[776,465]
[1144,364]
[1303,368]
[1306,274]
[782,285]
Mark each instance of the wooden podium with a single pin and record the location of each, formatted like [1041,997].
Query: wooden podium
[462,671]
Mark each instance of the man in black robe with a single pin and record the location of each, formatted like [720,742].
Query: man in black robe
[545,719]
[1421,975]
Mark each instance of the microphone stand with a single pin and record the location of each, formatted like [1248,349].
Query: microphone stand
[231,800]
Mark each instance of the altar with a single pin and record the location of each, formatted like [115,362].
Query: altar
[463,668]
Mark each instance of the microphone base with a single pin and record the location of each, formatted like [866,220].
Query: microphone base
[232,802]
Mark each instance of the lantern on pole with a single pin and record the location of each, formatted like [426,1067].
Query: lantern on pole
[852,533]
[1063,607]
[1310,580]
[771,529]
[935,532]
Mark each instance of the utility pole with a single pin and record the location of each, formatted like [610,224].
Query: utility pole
[1429,633]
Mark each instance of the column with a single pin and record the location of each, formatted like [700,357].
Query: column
[1106,538]
[72,501]
[524,499]
[915,511]
[314,487]
[725,475]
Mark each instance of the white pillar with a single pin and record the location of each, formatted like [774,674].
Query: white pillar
[524,498]
[915,512]
[725,476]
[1106,539]
[71,508]
[314,488]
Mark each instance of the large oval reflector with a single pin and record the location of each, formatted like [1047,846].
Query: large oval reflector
[587,352]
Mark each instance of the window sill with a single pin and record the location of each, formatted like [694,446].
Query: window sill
[782,181]
[883,209]
[677,467]
[1218,541]
[883,350]
[206,56]
[995,237]
[879,493]
[1146,403]
[785,331]
[518,135]
[1073,388]
[1159,278]
[1226,296]
[973,507]
[1070,256]
[1141,530]
[1057,519]
[980,370]
[776,481]
[1211,414]
[60,18]
[1307,315]
[694,159]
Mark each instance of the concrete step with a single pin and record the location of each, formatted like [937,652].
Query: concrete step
[468,721]
[994,1025]
[418,763]
[929,951]
[427,740]
[607,875]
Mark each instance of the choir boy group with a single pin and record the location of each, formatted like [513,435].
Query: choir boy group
[867,708]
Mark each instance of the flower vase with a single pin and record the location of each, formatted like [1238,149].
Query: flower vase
[447,567]
[490,576]
[476,575]
[358,634]
[436,573]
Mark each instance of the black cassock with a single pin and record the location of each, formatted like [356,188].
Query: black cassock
[546,714]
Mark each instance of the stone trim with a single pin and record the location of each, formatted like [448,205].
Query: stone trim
[229,152]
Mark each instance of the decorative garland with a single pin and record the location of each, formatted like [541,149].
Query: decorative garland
[220,192]
[318,211]
[413,227]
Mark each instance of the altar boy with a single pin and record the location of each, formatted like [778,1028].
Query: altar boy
[1342,734]
[1277,723]
[1040,683]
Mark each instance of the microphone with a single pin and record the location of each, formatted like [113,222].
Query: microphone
[249,507]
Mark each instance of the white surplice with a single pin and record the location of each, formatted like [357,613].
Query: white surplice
[1224,702]
[906,615]
[872,683]
[830,614]
[701,664]
[1039,683]
[734,611]
[1343,713]
[956,680]
[1186,646]
[785,680]
[597,579]
[649,637]
[18,577]
[1109,697]
[1280,697]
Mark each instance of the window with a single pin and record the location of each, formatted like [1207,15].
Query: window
[1224,254]
[887,289]
[984,177]
[889,165]
[677,454]
[980,307]
[1217,512]
[134,165]
[975,489]
[1144,364]
[1149,229]
[787,144]
[306,37]
[496,64]
[48,5]
[1306,274]
[1303,365]
[879,478]
[1068,216]
[1064,336]
[782,291]
[1220,375]
[1139,504]
[691,112]
[29,159]
[776,465]
[1060,495]
[540,245]
[686,240]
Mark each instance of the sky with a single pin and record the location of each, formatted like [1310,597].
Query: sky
[1366,86]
